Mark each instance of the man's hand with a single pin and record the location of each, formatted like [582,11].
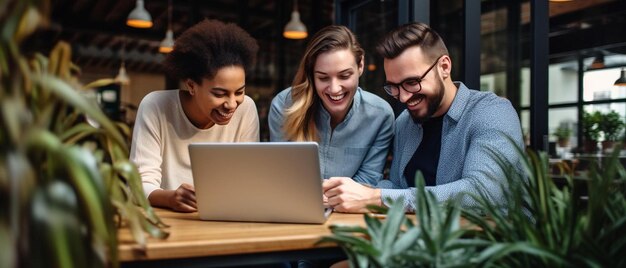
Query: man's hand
[346,195]
[183,199]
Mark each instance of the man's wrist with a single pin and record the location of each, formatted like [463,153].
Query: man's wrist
[376,197]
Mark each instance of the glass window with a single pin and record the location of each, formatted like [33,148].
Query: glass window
[375,19]
[598,85]
[563,82]
[563,118]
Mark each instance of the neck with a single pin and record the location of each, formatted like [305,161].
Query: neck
[337,118]
[449,93]
[191,111]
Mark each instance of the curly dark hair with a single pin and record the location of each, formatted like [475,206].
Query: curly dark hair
[203,49]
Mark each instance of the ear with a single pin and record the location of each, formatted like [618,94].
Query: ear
[361,64]
[191,86]
[446,66]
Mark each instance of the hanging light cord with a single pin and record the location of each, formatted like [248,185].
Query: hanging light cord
[169,14]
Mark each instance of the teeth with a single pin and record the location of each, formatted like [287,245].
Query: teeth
[336,98]
[225,114]
[414,102]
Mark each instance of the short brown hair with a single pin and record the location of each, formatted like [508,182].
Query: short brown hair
[412,34]
[203,49]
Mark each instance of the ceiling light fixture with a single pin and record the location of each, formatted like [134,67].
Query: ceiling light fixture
[139,17]
[621,81]
[122,78]
[295,29]
[598,61]
[167,45]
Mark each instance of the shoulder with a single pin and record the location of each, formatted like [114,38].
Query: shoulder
[472,105]
[283,98]
[488,105]
[159,95]
[373,101]
[487,112]
[372,109]
[159,98]
[247,105]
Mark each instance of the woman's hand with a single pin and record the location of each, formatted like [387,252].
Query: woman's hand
[183,199]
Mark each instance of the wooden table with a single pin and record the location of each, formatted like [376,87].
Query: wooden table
[213,243]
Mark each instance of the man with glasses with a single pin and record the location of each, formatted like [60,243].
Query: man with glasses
[448,132]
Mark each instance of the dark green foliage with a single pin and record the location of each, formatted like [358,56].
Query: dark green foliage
[64,184]
[540,224]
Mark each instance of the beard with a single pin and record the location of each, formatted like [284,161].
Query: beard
[434,102]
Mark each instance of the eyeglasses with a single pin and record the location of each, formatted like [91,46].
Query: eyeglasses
[411,84]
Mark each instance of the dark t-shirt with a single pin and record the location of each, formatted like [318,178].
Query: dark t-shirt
[426,157]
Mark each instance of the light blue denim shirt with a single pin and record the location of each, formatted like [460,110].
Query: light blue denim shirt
[476,124]
[358,146]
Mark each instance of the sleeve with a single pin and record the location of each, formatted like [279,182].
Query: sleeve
[391,189]
[275,118]
[250,124]
[371,170]
[146,146]
[400,136]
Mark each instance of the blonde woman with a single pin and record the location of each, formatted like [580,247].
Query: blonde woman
[325,104]
[210,59]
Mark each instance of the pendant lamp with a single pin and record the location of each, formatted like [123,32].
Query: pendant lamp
[621,81]
[167,45]
[598,61]
[295,29]
[139,17]
[122,77]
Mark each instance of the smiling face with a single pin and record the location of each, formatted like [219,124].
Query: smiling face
[427,102]
[336,77]
[214,101]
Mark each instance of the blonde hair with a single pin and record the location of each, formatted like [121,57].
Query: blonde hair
[299,124]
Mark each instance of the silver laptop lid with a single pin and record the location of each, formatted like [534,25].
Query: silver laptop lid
[259,181]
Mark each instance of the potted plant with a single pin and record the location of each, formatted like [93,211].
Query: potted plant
[430,238]
[563,134]
[65,184]
[591,131]
[611,125]
[540,224]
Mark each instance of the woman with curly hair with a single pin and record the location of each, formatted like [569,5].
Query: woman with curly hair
[325,104]
[210,60]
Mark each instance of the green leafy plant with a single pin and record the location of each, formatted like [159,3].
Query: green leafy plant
[64,184]
[397,241]
[591,126]
[578,224]
[562,133]
[611,125]
[541,224]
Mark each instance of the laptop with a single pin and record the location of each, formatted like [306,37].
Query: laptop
[258,182]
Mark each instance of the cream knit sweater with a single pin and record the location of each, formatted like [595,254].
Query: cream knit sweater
[162,133]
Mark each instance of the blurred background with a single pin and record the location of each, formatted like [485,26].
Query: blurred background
[553,59]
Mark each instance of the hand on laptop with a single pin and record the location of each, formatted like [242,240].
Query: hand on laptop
[183,199]
[346,195]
